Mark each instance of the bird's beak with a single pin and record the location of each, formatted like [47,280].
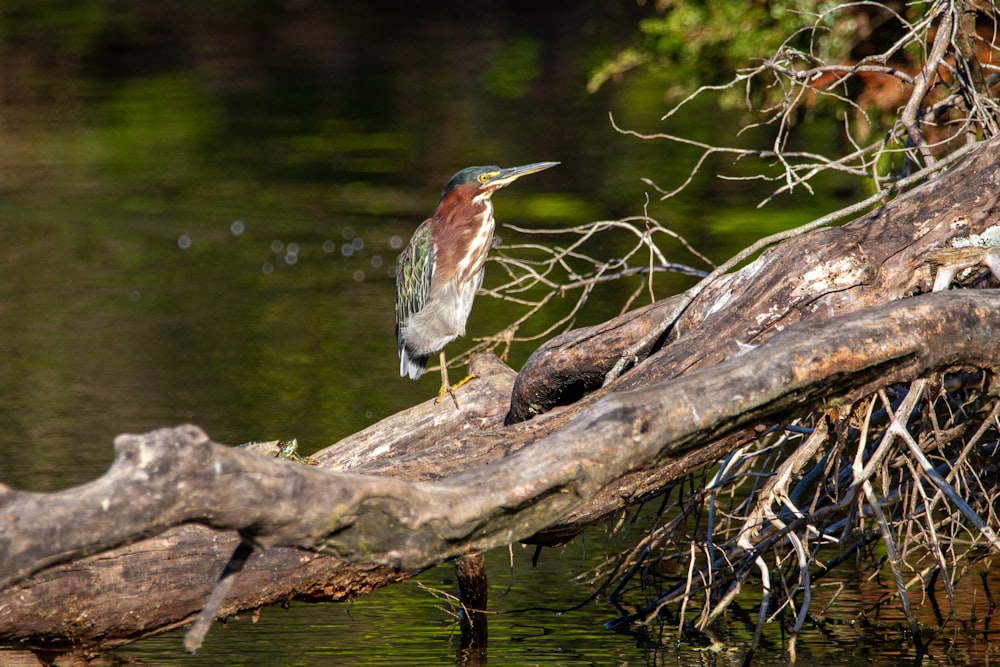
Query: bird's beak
[511,174]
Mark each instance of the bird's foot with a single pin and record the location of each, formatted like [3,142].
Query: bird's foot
[450,389]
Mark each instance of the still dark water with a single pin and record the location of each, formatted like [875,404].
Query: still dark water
[200,208]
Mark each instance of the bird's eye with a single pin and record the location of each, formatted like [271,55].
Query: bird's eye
[483,178]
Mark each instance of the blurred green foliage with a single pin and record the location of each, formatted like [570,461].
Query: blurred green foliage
[69,25]
[703,42]
[512,71]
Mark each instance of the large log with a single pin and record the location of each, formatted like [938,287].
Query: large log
[170,478]
[107,600]
[435,482]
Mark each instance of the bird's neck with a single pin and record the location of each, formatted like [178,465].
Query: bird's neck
[463,237]
[465,215]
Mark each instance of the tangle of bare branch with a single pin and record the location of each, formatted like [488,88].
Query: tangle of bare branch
[567,264]
[815,492]
[940,102]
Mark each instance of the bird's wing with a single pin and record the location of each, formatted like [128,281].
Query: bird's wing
[413,275]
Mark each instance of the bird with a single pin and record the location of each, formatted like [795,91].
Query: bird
[442,268]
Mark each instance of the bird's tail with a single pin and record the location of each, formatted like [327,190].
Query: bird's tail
[412,366]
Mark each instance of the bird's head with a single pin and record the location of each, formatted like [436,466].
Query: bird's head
[491,178]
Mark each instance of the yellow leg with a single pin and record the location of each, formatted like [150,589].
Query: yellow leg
[447,388]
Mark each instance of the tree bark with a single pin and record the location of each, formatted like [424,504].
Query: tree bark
[878,258]
[815,321]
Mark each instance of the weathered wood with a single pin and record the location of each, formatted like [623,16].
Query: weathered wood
[427,442]
[159,584]
[174,477]
[875,259]
[103,601]
[567,367]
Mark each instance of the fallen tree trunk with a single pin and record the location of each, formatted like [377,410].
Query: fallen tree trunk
[175,477]
[99,602]
[433,482]
[178,476]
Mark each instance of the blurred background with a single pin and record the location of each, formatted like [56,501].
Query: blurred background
[201,206]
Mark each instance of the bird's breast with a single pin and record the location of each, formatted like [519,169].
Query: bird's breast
[462,241]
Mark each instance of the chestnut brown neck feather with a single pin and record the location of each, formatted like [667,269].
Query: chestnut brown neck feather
[469,219]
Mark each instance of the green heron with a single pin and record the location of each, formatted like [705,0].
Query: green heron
[441,269]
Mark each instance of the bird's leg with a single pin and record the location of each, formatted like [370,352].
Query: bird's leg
[447,388]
